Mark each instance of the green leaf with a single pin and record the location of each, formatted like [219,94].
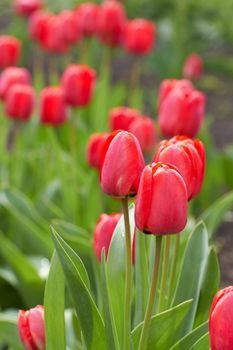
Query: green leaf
[76,277]
[202,344]
[165,329]
[9,332]
[191,338]
[54,302]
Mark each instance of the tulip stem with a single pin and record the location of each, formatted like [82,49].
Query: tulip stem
[164,273]
[134,78]
[128,269]
[174,267]
[150,304]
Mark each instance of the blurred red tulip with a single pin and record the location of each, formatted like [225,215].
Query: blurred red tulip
[19,102]
[111,23]
[103,233]
[52,37]
[94,148]
[11,76]
[10,48]
[53,109]
[37,25]
[168,85]
[193,67]
[71,31]
[188,156]
[161,203]
[27,7]
[78,82]
[144,129]
[122,117]
[31,328]
[220,320]
[87,18]
[139,36]
[121,164]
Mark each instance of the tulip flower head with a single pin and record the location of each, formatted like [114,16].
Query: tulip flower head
[20,101]
[94,148]
[87,18]
[71,31]
[27,7]
[53,37]
[193,67]
[53,108]
[31,328]
[144,129]
[122,117]
[11,76]
[168,85]
[37,25]
[10,48]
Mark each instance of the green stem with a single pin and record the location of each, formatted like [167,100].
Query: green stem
[150,304]
[128,269]
[134,78]
[164,273]
[174,267]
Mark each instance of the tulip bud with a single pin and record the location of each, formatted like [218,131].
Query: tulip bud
[193,67]
[188,156]
[31,328]
[122,117]
[71,31]
[94,148]
[139,36]
[87,18]
[168,85]
[103,233]
[11,76]
[53,109]
[121,164]
[10,48]
[220,320]
[78,82]
[111,23]
[52,38]
[20,101]
[37,25]
[144,129]
[27,7]
[161,203]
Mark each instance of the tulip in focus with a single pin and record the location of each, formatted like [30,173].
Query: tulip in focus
[139,36]
[188,156]
[103,233]
[27,7]
[53,109]
[220,320]
[144,129]
[193,67]
[20,101]
[11,76]
[94,148]
[31,328]
[122,117]
[10,48]
[161,203]
[87,18]
[78,82]
[121,164]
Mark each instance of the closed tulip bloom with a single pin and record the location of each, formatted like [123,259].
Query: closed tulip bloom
[144,129]
[139,36]
[193,67]
[53,109]
[111,23]
[20,101]
[121,164]
[37,25]
[10,48]
[52,37]
[220,320]
[168,85]
[103,233]
[94,148]
[188,156]
[11,76]
[122,117]
[78,82]
[32,328]
[71,31]
[27,7]
[161,203]
[87,18]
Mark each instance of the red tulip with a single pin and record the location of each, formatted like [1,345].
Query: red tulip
[121,164]
[193,67]
[52,37]
[94,148]
[168,85]
[71,31]
[144,129]
[31,328]
[161,203]
[10,48]
[103,233]
[53,109]
[27,7]
[87,18]
[139,36]
[188,156]
[78,82]
[20,101]
[181,112]
[11,76]
[122,117]
[111,23]
[220,320]
[37,25]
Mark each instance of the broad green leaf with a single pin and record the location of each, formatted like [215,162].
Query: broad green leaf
[54,302]
[9,332]
[92,325]
[165,329]
[191,338]
[202,344]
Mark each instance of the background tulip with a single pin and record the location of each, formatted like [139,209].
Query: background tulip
[53,109]
[122,117]
[87,18]
[10,48]
[94,148]
[193,67]
[27,7]
[168,85]
[52,36]
[71,31]
[37,25]
[144,129]
[139,36]
[20,101]
[11,76]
